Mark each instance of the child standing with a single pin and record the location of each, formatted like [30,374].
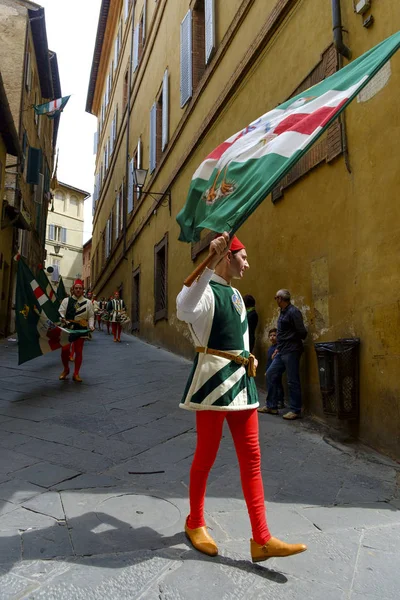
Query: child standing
[271,356]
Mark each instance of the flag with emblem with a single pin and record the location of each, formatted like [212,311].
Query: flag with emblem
[238,175]
[53,108]
[45,285]
[37,318]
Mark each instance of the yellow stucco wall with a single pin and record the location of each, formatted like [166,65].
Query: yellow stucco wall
[333,237]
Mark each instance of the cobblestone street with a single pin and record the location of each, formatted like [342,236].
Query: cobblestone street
[93,492]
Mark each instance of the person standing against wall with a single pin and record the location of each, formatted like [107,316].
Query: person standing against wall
[291,333]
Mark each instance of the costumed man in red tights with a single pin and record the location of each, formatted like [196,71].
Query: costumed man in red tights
[77,313]
[221,387]
[116,308]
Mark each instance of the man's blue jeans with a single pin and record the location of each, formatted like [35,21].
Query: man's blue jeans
[290,363]
[275,392]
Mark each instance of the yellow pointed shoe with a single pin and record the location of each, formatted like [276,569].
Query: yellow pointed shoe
[77,378]
[201,540]
[274,547]
[64,375]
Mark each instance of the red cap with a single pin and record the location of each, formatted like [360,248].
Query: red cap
[236,244]
[78,282]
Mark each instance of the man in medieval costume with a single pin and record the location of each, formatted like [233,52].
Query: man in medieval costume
[76,313]
[221,387]
[117,310]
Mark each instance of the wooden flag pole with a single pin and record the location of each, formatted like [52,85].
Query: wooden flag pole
[198,270]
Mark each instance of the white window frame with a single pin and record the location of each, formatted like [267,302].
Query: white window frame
[165,111]
[153,138]
[209,16]
[186,64]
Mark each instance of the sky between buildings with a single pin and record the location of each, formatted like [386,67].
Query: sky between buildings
[71,32]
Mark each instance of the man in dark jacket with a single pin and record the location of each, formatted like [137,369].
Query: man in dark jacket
[291,333]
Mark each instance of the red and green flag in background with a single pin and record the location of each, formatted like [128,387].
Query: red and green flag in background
[238,175]
[53,108]
[37,318]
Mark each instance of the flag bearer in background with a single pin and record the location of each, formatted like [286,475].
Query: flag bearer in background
[116,308]
[221,387]
[77,313]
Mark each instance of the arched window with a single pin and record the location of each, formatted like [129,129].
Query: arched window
[73,206]
[59,201]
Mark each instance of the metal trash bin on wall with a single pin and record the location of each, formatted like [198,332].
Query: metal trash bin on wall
[338,368]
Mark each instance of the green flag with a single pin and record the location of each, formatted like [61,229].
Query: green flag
[52,108]
[238,175]
[61,293]
[36,319]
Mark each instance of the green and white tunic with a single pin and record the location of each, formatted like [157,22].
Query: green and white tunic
[217,319]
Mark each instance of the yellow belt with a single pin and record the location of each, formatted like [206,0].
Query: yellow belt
[239,360]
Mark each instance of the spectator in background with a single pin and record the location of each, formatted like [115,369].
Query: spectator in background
[274,400]
[291,333]
[252,318]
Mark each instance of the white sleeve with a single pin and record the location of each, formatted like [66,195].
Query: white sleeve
[90,311]
[63,308]
[194,300]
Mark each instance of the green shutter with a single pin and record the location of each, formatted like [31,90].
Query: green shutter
[34,164]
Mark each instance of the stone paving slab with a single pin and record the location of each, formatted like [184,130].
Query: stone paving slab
[76,524]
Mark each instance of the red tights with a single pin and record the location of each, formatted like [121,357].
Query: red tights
[65,354]
[244,429]
[116,329]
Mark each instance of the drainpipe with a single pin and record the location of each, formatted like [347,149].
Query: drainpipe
[126,190]
[338,30]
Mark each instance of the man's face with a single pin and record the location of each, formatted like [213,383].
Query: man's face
[239,264]
[89,295]
[279,301]
[272,338]
[116,295]
[78,290]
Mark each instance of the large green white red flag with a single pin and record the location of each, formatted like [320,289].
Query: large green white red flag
[237,176]
[37,318]
[53,108]
[45,284]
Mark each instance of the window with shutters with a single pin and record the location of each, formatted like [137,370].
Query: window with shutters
[209,25]
[135,62]
[28,72]
[125,89]
[142,32]
[165,111]
[330,145]
[129,206]
[198,42]
[57,234]
[133,190]
[159,114]
[135,309]
[186,87]
[127,4]
[161,279]
[116,223]
[153,138]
